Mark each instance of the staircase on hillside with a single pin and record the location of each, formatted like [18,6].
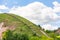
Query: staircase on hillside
[35,29]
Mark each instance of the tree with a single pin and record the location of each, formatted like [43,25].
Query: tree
[20,36]
[24,37]
[39,26]
[7,35]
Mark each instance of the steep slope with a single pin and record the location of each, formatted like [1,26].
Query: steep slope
[22,25]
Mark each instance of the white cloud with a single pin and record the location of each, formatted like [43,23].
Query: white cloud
[49,27]
[35,11]
[3,7]
[56,6]
[38,13]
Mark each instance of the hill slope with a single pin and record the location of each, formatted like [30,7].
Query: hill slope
[22,25]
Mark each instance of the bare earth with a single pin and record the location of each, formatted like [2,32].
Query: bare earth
[2,29]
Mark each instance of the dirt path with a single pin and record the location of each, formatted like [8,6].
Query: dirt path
[2,29]
[44,33]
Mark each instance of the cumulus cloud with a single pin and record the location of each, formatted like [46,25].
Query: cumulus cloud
[38,13]
[3,7]
[56,6]
[49,27]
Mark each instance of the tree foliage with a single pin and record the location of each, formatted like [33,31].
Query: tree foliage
[8,35]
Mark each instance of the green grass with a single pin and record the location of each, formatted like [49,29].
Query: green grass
[22,25]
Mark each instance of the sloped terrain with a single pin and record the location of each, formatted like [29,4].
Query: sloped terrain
[22,25]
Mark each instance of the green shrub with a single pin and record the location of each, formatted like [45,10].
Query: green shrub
[8,35]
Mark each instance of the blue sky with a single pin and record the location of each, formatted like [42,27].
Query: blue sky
[50,17]
[11,3]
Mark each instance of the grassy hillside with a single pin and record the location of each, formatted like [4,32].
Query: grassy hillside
[24,26]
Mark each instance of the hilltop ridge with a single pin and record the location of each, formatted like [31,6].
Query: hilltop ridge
[22,25]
